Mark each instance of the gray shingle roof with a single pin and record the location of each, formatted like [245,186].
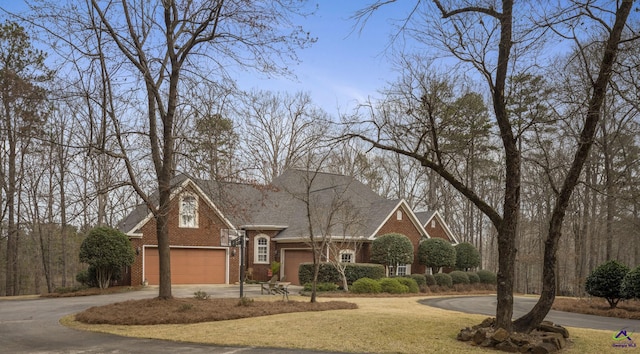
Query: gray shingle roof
[341,203]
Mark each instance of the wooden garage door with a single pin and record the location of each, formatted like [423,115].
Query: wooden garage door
[292,260]
[188,266]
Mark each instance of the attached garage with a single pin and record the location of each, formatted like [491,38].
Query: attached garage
[188,266]
[291,261]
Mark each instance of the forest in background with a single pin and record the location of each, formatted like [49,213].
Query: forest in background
[67,119]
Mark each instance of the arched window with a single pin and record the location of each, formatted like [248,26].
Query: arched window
[399,215]
[188,211]
[261,249]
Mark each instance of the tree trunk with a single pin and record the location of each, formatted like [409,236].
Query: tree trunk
[162,230]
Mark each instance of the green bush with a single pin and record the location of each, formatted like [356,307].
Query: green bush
[419,279]
[87,277]
[487,277]
[366,286]
[411,284]
[436,253]
[631,284]
[391,249]
[429,279]
[443,279]
[467,256]
[108,251]
[393,286]
[329,274]
[473,278]
[321,286]
[459,277]
[606,281]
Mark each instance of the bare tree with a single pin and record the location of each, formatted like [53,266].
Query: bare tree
[492,54]
[160,44]
[279,130]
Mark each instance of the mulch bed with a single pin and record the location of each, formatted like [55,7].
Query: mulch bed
[191,310]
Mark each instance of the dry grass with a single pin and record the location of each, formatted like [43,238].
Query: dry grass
[191,310]
[378,325]
[598,306]
[93,291]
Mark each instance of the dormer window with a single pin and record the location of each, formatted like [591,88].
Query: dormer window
[188,211]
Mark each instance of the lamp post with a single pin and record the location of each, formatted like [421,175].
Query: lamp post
[241,237]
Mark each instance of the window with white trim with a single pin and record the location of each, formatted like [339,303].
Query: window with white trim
[400,270]
[188,211]
[347,256]
[399,215]
[433,224]
[261,252]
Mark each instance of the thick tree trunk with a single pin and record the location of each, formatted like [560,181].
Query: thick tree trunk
[162,229]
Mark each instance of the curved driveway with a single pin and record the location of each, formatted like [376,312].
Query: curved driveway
[31,326]
[486,305]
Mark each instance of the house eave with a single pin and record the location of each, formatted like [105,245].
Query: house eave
[263,227]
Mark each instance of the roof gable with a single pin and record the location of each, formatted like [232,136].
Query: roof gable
[141,214]
[427,217]
[389,212]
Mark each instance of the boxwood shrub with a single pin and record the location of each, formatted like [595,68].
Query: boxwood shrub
[329,274]
[487,277]
[429,279]
[419,279]
[473,278]
[443,279]
[393,286]
[412,285]
[459,277]
[366,286]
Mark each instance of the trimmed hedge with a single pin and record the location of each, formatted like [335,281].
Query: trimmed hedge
[443,279]
[473,278]
[429,279]
[412,285]
[487,277]
[366,286]
[393,286]
[419,279]
[459,277]
[329,274]
[321,286]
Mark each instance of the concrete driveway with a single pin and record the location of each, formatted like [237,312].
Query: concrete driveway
[486,305]
[31,325]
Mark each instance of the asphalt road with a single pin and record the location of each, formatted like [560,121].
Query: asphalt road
[486,305]
[32,326]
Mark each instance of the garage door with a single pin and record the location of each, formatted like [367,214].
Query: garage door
[188,266]
[292,260]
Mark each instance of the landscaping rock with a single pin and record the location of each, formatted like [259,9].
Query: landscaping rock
[507,346]
[480,336]
[547,338]
[465,335]
[554,338]
[500,335]
[547,326]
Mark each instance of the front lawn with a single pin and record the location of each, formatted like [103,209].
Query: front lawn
[378,325]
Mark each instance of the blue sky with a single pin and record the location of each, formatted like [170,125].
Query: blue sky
[344,67]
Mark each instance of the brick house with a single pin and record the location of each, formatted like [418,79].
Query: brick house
[276,219]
